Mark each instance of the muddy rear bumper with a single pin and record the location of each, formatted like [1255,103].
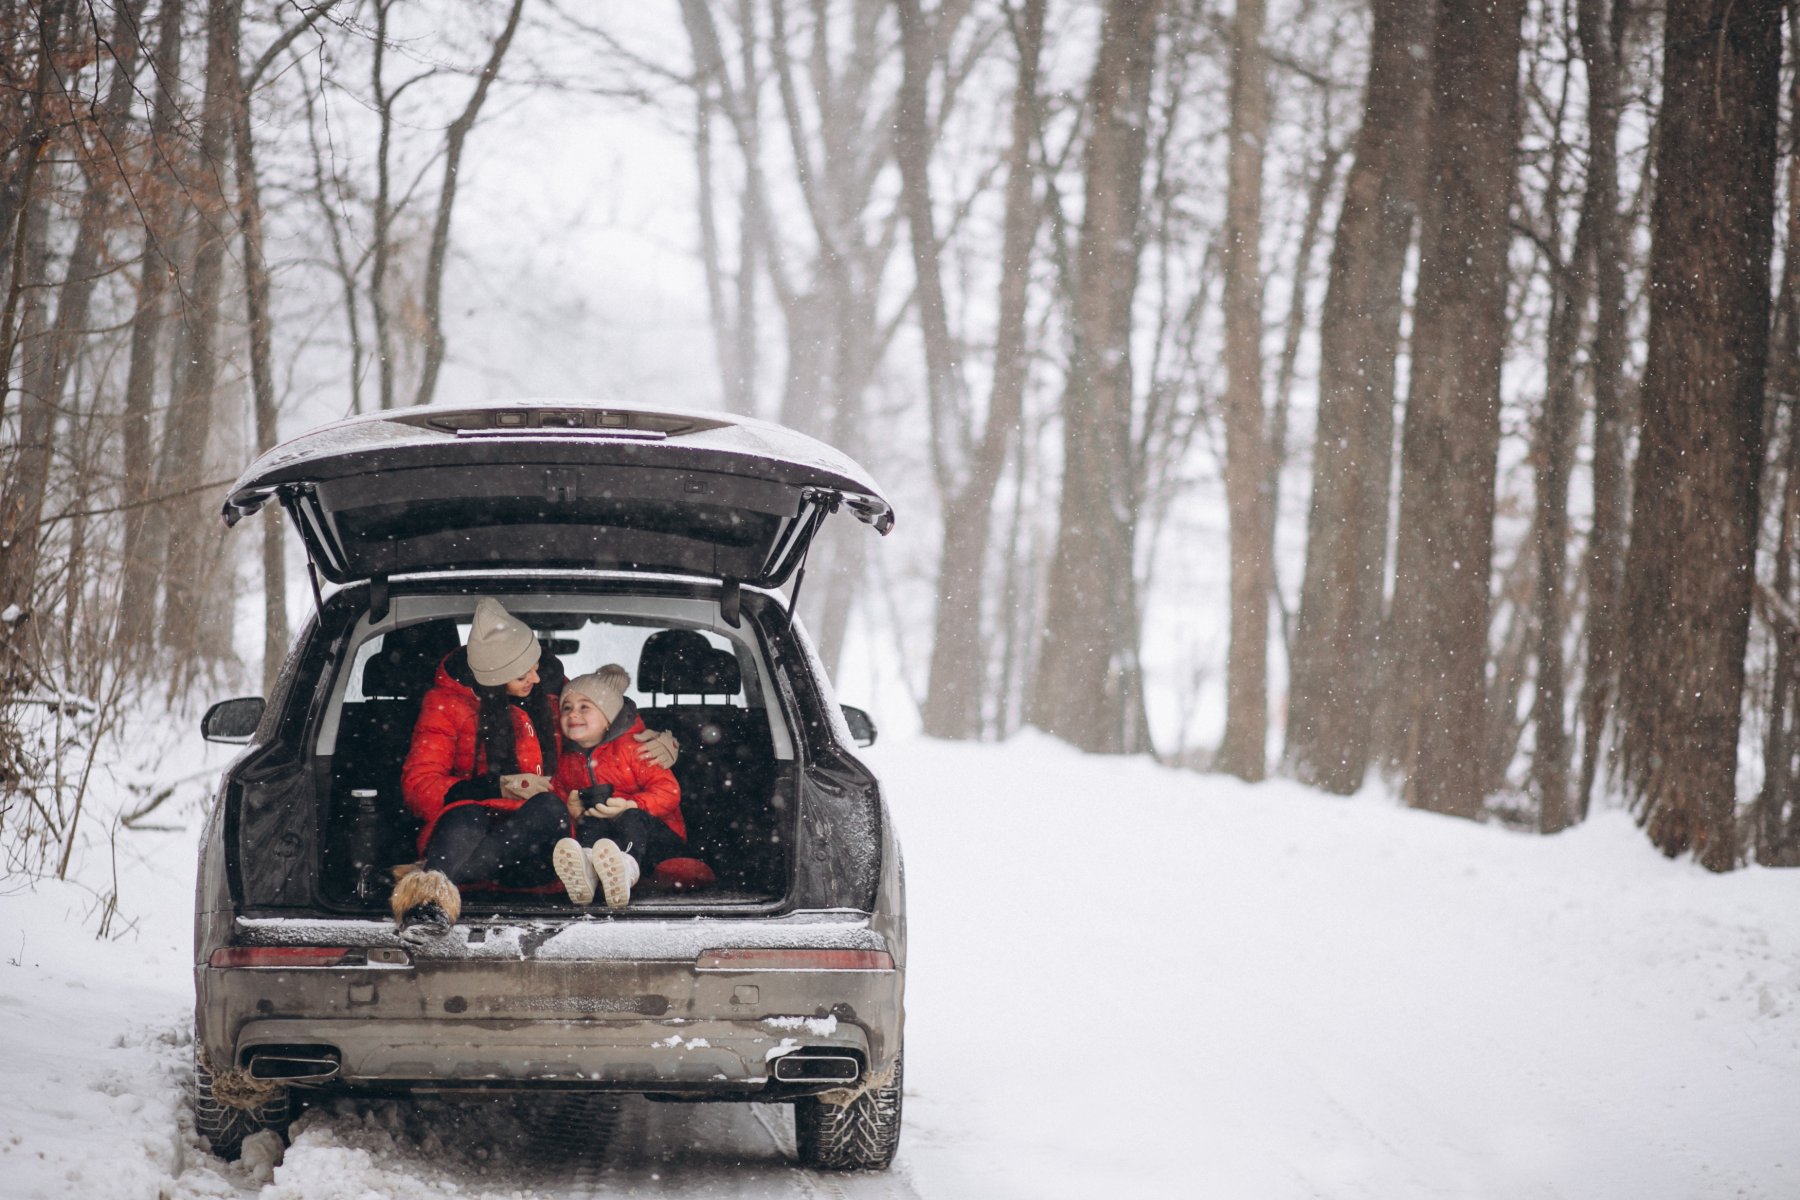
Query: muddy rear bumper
[463,1015]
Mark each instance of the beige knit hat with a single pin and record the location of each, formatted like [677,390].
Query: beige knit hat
[605,687]
[501,647]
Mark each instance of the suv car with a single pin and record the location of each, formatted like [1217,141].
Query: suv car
[619,534]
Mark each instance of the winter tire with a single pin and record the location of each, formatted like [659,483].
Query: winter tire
[225,1127]
[859,1136]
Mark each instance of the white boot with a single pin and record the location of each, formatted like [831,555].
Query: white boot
[575,870]
[618,872]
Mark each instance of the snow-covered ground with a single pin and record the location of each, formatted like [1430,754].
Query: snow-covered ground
[1124,980]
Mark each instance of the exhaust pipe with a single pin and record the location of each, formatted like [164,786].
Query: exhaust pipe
[817,1068]
[293,1064]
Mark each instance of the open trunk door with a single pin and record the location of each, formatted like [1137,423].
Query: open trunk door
[560,486]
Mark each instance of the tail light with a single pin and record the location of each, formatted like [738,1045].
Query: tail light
[277,956]
[740,959]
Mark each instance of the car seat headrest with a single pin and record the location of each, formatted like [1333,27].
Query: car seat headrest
[673,662]
[720,674]
[407,662]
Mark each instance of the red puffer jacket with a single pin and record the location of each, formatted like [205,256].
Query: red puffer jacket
[617,760]
[444,753]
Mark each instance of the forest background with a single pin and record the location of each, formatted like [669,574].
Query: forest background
[1317,387]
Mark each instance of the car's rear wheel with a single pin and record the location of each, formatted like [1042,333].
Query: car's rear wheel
[859,1136]
[228,1111]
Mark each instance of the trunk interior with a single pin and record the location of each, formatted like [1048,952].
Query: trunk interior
[696,679]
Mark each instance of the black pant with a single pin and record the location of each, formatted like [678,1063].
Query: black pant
[475,843]
[637,833]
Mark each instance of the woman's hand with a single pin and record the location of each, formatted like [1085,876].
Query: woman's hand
[658,746]
[523,787]
[610,808]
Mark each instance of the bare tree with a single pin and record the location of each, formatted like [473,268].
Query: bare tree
[1775,824]
[1248,471]
[1337,635]
[1450,441]
[24,213]
[142,549]
[261,336]
[187,573]
[1554,439]
[953,704]
[1601,29]
[1689,568]
[836,116]
[1088,685]
[455,137]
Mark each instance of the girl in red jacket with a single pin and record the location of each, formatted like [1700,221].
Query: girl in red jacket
[625,807]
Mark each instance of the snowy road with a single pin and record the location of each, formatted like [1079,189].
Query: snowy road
[634,1149]
[1122,978]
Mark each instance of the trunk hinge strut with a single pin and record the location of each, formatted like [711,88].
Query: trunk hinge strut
[799,578]
[290,500]
[825,503]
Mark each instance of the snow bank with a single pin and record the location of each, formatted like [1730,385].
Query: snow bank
[1208,988]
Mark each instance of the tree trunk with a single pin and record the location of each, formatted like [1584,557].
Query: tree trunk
[1082,691]
[49,359]
[138,585]
[1337,645]
[734,332]
[953,701]
[1318,193]
[262,378]
[454,140]
[382,218]
[1450,441]
[1774,825]
[1690,566]
[753,228]
[1602,52]
[20,171]
[24,214]
[1248,498]
[187,571]
[912,152]
[28,472]
[1553,453]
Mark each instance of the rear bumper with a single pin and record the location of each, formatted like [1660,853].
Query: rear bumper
[692,1056]
[471,1018]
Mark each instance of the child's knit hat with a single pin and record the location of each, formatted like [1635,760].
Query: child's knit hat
[605,687]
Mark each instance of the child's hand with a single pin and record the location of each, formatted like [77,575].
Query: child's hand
[610,808]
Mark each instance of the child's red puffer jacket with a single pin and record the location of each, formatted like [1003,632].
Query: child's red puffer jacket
[617,760]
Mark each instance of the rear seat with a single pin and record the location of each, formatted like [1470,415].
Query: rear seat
[726,767]
[373,737]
